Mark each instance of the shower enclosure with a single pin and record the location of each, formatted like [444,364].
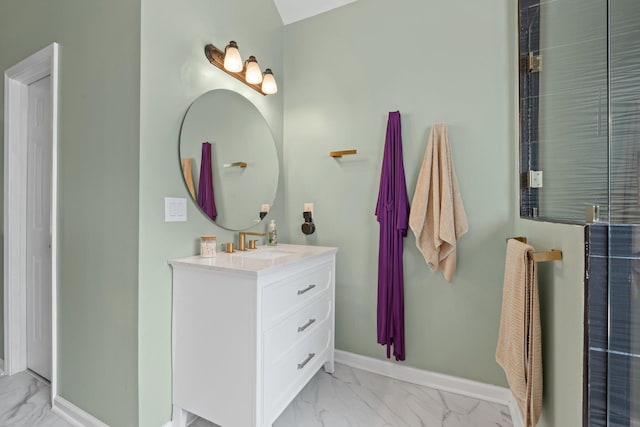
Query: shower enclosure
[580,163]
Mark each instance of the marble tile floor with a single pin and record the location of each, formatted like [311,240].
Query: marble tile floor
[347,398]
[354,398]
[25,402]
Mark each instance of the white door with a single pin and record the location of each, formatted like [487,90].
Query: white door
[39,152]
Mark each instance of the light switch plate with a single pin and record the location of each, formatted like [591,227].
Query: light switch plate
[175,209]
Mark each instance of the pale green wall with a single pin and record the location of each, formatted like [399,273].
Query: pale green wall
[174,72]
[457,68]
[98,191]
[573,155]
[465,75]
[446,61]
[561,284]
[561,291]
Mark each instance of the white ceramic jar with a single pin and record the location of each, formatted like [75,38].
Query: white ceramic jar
[207,246]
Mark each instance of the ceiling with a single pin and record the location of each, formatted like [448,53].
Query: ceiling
[297,10]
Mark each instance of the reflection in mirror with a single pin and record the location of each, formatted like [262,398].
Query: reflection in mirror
[228,159]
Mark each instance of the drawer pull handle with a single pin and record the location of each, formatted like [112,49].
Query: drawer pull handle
[306,325]
[307,360]
[305,290]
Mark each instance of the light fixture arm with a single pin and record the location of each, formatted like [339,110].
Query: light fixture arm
[216,57]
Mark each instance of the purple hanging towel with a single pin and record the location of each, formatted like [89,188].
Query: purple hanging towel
[206,199]
[392,212]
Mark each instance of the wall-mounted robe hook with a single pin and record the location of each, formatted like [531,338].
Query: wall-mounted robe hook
[338,154]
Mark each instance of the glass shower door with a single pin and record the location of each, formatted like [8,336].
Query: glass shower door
[579,93]
[623,367]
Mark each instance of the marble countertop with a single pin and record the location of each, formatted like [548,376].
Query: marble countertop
[255,260]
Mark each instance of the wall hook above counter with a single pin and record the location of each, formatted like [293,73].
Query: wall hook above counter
[238,164]
[338,154]
[552,255]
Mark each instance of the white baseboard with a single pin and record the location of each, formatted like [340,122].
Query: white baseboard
[167,424]
[74,415]
[475,389]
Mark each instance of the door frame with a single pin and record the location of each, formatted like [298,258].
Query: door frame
[16,81]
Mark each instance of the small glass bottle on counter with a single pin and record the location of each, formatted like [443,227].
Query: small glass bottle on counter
[207,246]
[272,234]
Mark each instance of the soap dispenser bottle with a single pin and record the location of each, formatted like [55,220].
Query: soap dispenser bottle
[272,234]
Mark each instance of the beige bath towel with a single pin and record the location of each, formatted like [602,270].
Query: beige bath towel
[187,172]
[519,350]
[437,216]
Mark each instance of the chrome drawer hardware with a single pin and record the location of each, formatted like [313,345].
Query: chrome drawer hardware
[306,325]
[307,289]
[307,360]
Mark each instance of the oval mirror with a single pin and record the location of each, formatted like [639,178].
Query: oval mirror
[228,159]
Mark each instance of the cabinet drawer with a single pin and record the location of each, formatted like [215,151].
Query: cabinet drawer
[285,377]
[282,298]
[286,334]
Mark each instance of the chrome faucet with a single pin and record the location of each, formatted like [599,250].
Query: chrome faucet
[242,240]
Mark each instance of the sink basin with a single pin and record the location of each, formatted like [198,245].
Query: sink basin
[267,254]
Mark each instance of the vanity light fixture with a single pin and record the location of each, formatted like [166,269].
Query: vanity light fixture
[269,85]
[248,72]
[232,59]
[252,74]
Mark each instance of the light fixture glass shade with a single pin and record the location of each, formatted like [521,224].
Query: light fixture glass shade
[269,85]
[232,59]
[253,74]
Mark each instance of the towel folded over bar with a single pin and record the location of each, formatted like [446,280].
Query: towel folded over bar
[519,349]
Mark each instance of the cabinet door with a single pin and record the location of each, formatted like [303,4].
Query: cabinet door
[215,355]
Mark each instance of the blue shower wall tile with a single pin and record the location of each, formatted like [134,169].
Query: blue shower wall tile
[615,240]
[530,23]
[596,328]
[613,329]
[598,239]
[624,241]
[597,307]
[620,401]
[624,323]
[529,88]
[597,400]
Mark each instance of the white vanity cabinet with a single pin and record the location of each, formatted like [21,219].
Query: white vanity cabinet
[249,331]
